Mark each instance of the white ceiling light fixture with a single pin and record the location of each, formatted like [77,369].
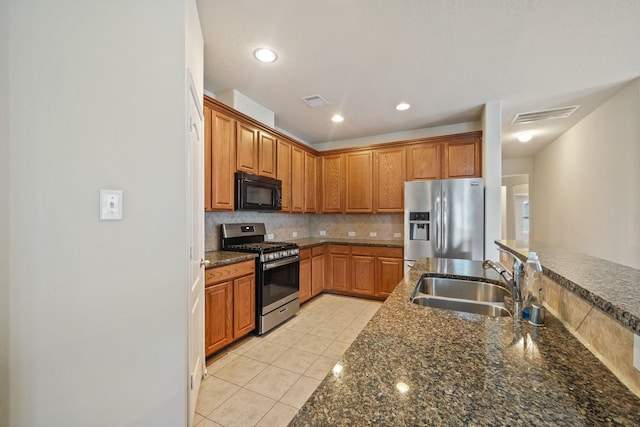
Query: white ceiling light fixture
[403,106]
[337,118]
[525,137]
[264,54]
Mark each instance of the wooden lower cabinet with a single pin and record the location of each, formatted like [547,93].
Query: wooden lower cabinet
[229,303]
[369,271]
[305,275]
[317,269]
[311,272]
[218,302]
[389,271]
[338,268]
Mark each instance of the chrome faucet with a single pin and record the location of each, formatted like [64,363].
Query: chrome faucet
[515,279]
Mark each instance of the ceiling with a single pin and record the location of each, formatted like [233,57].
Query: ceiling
[447,58]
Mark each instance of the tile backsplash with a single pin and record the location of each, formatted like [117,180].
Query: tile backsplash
[283,225]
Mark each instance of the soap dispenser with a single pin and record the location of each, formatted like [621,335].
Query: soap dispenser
[532,291]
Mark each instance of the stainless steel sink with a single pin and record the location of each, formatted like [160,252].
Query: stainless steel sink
[462,289]
[468,296]
[467,306]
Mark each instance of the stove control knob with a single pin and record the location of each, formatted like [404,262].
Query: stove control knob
[270,256]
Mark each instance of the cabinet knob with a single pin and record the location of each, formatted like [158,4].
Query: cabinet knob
[205,263]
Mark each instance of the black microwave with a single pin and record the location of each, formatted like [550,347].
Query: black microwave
[257,193]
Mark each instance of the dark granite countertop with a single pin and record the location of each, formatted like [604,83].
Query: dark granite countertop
[316,241]
[465,370]
[220,258]
[611,287]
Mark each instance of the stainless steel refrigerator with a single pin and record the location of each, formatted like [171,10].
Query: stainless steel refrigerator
[443,219]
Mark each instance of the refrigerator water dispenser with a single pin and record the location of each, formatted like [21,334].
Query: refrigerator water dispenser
[419,226]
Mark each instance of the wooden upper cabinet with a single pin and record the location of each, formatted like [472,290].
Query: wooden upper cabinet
[247,148]
[310,182]
[208,160]
[297,179]
[283,172]
[332,179]
[389,176]
[220,137]
[267,154]
[359,182]
[462,158]
[424,161]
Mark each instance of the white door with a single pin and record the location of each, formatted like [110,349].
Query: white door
[195,224]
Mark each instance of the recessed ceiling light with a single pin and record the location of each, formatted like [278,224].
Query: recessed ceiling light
[265,55]
[525,137]
[403,106]
[337,118]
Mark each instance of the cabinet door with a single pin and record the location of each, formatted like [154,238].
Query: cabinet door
[363,277]
[389,171]
[267,154]
[424,161]
[208,160]
[332,178]
[244,305]
[246,148]
[359,182]
[310,187]
[219,178]
[305,275]
[338,268]
[462,158]
[218,304]
[317,273]
[284,173]
[297,179]
[388,275]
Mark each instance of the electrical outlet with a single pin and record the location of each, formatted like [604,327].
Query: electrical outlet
[373,234]
[636,351]
[323,233]
[397,235]
[295,234]
[269,236]
[351,233]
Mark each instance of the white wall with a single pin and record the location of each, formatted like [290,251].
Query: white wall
[4,213]
[586,192]
[492,173]
[98,309]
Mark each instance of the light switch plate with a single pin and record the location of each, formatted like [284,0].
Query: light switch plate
[111,205]
[323,233]
[295,234]
[373,234]
[636,351]
[397,235]
[351,233]
[269,236]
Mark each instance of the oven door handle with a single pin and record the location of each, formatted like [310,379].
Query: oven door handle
[279,263]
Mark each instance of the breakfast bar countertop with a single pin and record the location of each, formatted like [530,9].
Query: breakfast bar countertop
[419,366]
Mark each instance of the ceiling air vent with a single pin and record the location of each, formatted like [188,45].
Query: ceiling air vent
[536,116]
[314,101]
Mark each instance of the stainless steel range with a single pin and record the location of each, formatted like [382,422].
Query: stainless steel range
[277,272]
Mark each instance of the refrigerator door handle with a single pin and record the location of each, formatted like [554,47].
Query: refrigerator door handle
[437,230]
[445,215]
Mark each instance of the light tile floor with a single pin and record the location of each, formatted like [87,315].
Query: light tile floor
[263,381]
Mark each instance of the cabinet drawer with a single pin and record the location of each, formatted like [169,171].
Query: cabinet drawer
[220,274]
[338,249]
[305,253]
[317,250]
[377,251]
